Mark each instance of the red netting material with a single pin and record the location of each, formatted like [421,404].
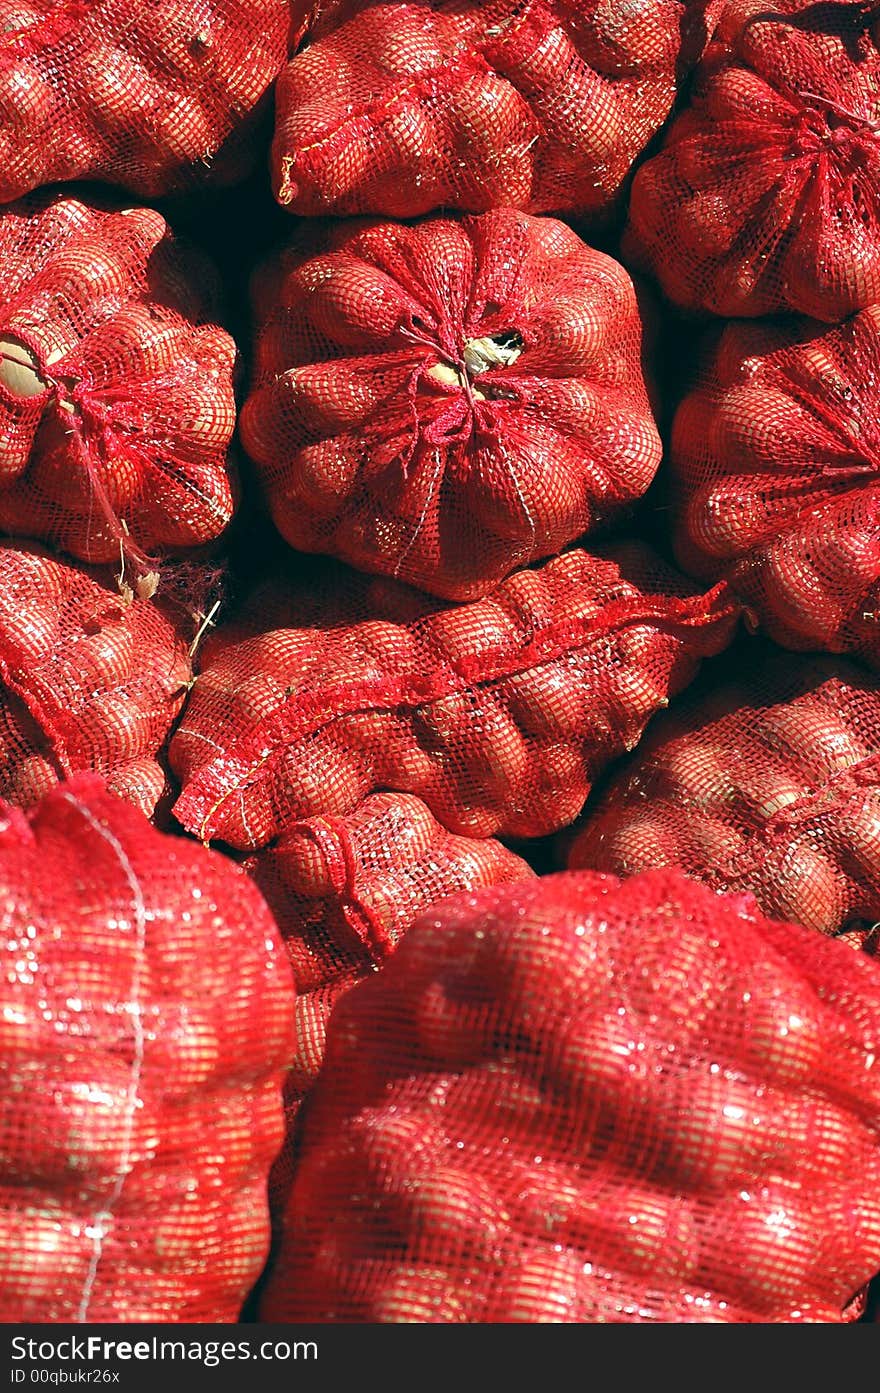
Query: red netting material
[148,1022]
[343,892]
[776,458]
[498,714]
[766,193]
[448,401]
[87,682]
[116,383]
[403,108]
[140,93]
[586,1100]
[314,593]
[763,778]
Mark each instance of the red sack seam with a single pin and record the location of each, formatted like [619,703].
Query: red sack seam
[517,39]
[103,1220]
[467,59]
[840,791]
[333,838]
[427,83]
[211,786]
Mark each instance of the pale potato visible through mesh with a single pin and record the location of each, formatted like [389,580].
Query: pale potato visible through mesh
[89,681]
[117,405]
[498,714]
[585,1100]
[154,96]
[400,108]
[447,401]
[147,1024]
[765,777]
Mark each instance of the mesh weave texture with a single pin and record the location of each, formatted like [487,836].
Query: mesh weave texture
[776,458]
[403,108]
[447,401]
[765,779]
[147,1023]
[586,1100]
[498,714]
[139,93]
[766,193]
[87,682]
[343,892]
[116,383]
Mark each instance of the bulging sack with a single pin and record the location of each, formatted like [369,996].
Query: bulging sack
[498,714]
[147,1025]
[777,478]
[400,108]
[344,892]
[579,1099]
[763,778]
[765,195]
[116,384]
[156,96]
[87,682]
[447,401]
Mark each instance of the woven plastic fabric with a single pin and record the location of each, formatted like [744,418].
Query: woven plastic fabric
[399,108]
[777,480]
[156,96]
[448,401]
[116,384]
[87,682]
[763,778]
[498,714]
[147,1024]
[766,193]
[589,1100]
[343,892]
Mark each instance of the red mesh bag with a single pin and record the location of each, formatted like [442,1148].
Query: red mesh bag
[765,781]
[147,1024]
[87,682]
[312,592]
[778,482]
[589,1100]
[343,892]
[141,93]
[766,193]
[116,384]
[447,401]
[402,108]
[498,714]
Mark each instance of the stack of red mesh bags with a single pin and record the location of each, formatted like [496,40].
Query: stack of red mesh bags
[588,1100]
[369,1055]
[146,1027]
